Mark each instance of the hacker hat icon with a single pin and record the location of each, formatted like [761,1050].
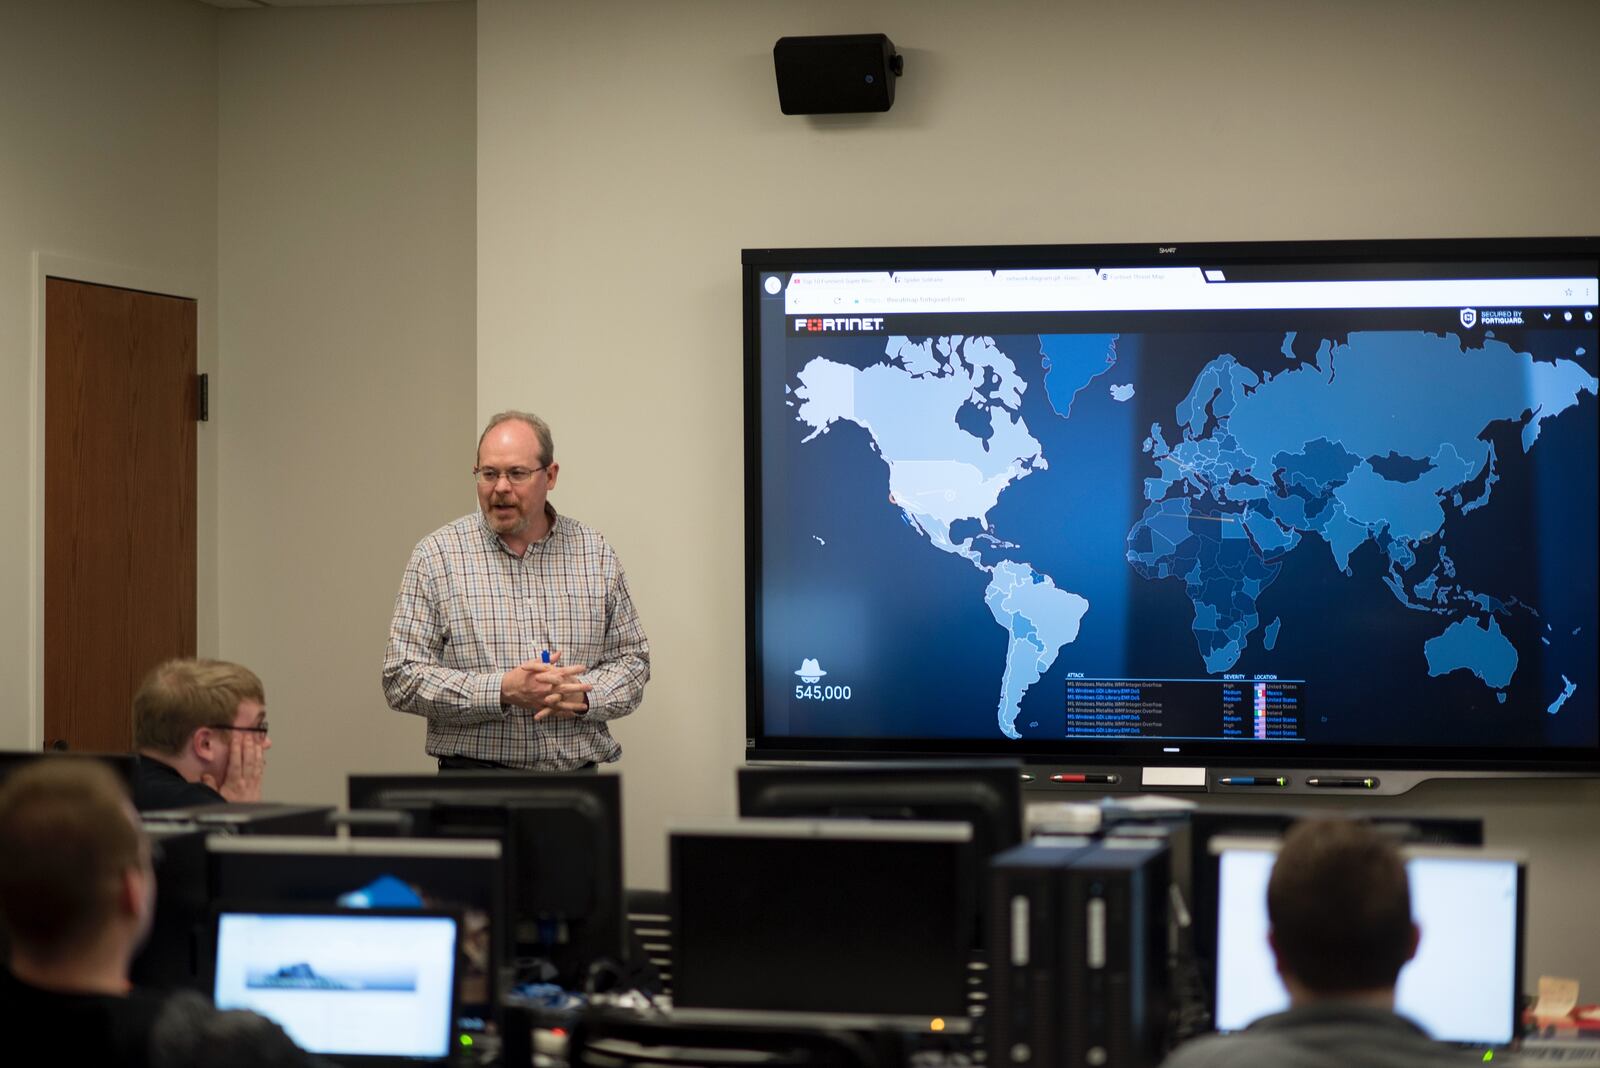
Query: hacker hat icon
[810,670]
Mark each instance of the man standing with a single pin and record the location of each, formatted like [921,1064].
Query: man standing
[77,893]
[1340,909]
[200,727]
[514,633]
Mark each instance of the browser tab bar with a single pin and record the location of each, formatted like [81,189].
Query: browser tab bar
[963,279]
[834,280]
[1048,276]
[1153,275]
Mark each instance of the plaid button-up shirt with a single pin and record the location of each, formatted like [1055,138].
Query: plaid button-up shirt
[469,610]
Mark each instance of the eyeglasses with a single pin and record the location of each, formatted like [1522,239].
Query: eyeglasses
[489,476]
[260,729]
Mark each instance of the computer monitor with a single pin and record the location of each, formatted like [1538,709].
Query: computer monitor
[245,817]
[126,765]
[826,918]
[1275,505]
[176,952]
[985,794]
[361,986]
[1196,872]
[1464,983]
[561,836]
[462,877]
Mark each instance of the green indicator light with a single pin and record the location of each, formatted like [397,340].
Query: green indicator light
[1281,781]
[1488,1055]
[466,1040]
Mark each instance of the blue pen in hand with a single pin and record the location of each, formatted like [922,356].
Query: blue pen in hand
[545,656]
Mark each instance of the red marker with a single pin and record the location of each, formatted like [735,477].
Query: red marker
[1097,780]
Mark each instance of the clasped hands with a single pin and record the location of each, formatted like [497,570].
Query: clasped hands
[552,689]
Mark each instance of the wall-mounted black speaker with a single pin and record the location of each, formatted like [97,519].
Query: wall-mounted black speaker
[829,75]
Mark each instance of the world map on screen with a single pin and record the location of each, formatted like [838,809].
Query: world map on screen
[1371,449]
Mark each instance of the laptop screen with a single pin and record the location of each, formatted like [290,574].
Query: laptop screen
[356,984]
[1462,986]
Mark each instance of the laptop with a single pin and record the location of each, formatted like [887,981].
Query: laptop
[359,986]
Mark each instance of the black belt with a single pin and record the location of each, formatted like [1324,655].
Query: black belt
[466,763]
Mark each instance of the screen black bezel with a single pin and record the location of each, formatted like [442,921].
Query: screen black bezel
[1510,257]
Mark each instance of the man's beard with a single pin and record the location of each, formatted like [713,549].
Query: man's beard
[518,521]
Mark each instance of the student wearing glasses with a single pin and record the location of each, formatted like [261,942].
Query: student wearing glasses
[514,633]
[200,727]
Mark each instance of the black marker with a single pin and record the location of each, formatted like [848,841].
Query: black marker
[1255,780]
[1345,784]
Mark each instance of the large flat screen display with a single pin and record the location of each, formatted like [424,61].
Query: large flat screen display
[1310,504]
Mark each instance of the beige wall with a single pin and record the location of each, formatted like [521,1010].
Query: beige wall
[627,151]
[108,149]
[345,414]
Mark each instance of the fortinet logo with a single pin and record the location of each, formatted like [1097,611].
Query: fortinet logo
[854,324]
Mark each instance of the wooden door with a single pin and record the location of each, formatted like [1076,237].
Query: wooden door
[119,503]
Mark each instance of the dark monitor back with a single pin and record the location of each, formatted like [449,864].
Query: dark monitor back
[562,841]
[465,878]
[247,817]
[824,917]
[173,956]
[126,765]
[1208,823]
[986,795]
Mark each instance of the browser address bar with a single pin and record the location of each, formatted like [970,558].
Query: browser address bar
[1156,290]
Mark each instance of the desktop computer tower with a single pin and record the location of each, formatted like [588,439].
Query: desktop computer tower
[1028,952]
[1078,971]
[1117,981]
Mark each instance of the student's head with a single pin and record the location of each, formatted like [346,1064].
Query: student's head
[185,709]
[1340,908]
[77,864]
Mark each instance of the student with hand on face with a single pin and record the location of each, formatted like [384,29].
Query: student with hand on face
[200,727]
